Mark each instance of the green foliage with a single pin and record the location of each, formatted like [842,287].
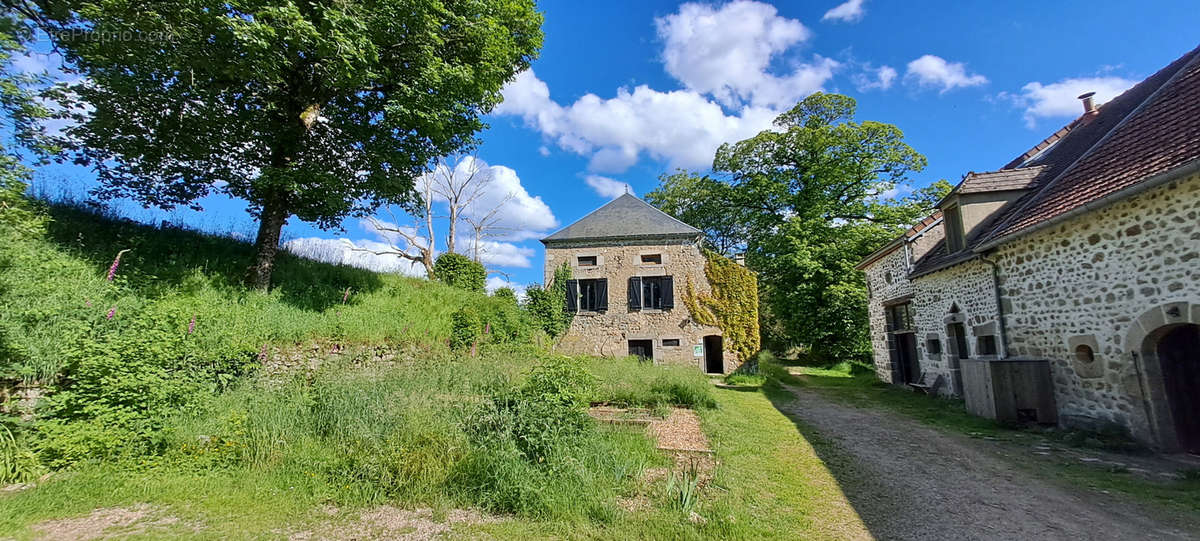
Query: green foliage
[505,293]
[18,463]
[548,305]
[460,271]
[546,413]
[732,305]
[704,202]
[336,107]
[465,327]
[806,199]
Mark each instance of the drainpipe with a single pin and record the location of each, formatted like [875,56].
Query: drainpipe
[999,306]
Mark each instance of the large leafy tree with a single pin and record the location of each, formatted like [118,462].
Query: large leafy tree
[318,109]
[705,202]
[810,199]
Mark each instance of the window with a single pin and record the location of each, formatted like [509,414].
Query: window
[887,277]
[653,292]
[900,317]
[987,345]
[652,259]
[587,261]
[670,342]
[1084,353]
[954,229]
[933,346]
[587,295]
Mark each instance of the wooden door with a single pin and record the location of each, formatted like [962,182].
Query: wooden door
[906,350]
[1179,356]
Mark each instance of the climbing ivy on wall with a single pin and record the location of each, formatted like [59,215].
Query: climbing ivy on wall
[732,305]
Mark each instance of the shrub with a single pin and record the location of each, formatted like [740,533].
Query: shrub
[465,327]
[460,271]
[546,413]
[506,294]
[547,305]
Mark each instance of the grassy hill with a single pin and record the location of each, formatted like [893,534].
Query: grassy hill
[161,369]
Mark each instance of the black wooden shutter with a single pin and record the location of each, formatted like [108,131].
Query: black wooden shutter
[602,295]
[572,295]
[635,293]
[668,292]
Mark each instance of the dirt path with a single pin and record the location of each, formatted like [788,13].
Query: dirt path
[908,481]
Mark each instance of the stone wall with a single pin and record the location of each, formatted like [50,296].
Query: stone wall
[1106,279]
[608,333]
[1097,280]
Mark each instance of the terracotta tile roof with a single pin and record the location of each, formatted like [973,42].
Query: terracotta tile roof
[1002,180]
[1150,129]
[923,225]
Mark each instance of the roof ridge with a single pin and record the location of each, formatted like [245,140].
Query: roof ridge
[626,216]
[1043,144]
[996,230]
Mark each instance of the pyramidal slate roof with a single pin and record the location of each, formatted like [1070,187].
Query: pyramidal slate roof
[625,217]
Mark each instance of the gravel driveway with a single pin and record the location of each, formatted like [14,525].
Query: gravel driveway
[908,481]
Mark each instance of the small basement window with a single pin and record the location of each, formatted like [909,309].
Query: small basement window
[987,345]
[587,261]
[1084,353]
[652,259]
[934,346]
[670,342]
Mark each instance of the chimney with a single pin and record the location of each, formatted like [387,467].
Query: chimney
[1089,105]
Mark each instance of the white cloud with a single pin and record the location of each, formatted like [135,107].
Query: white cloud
[727,53]
[347,252]
[521,216]
[607,187]
[850,11]
[935,71]
[723,56]
[874,78]
[681,127]
[1061,99]
[496,282]
[495,253]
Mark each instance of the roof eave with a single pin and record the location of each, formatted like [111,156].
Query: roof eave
[656,236]
[1150,182]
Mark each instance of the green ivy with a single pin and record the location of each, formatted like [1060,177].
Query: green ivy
[732,305]
[460,271]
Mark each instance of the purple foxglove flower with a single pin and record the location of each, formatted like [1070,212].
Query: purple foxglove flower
[111,312]
[346,296]
[192,325]
[473,344]
[87,303]
[112,269]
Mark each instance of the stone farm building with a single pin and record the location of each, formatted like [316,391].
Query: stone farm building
[629,263]
[1079,258]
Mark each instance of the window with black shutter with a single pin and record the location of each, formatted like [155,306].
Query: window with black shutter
[658,292]
[635,293]
[592,295]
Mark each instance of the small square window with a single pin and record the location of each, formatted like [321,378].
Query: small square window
[987,345]
[587,261]
[670,342]
[934,346]
[652,259]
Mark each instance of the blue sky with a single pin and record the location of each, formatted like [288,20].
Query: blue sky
[625,91]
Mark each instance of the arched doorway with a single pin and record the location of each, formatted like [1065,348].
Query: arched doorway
[1178,353]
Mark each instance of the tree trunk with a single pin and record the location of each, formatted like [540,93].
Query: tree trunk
[270,225]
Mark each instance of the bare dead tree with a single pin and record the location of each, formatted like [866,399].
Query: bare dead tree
[486,224]
[424,248]
[460,189]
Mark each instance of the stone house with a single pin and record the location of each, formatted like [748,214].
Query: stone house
[1082,253]
[629,265]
